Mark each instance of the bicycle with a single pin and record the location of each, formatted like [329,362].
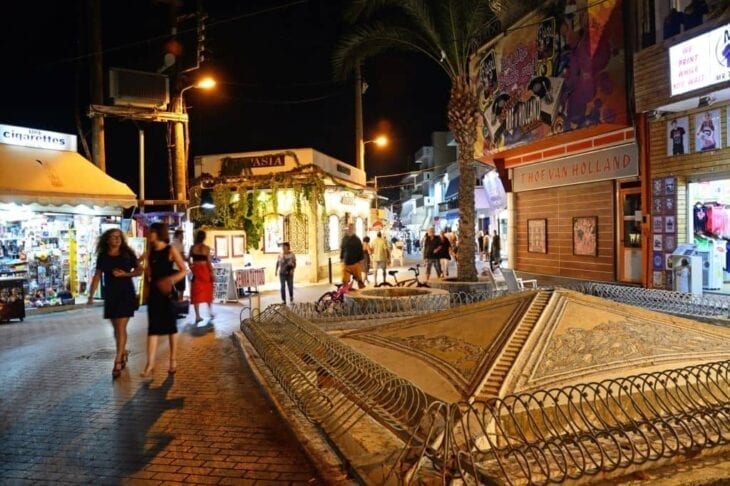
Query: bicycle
[405,283]
[329,301]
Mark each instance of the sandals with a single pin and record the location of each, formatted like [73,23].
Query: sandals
[125,358]
[173,369]
[147,373]
[117,370]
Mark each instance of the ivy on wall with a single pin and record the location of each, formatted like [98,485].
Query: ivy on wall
[242,202]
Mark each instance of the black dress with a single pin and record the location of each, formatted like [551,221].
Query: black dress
[162,318]
[120,299]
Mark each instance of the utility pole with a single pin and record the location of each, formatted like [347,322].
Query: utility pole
[181,159]
[359,141]
[98,148]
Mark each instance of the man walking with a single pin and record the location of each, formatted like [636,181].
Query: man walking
[380,256]
[351,254]
[430,243]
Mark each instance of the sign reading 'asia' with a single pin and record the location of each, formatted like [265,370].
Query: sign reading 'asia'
[612,163]
[233,166]
[701,61]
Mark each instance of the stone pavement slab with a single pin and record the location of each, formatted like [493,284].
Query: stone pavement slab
[63,419]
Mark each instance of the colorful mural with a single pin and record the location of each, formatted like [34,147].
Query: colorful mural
[562,73]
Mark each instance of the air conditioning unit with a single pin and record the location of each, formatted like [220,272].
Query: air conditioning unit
[128,87]
[428,201]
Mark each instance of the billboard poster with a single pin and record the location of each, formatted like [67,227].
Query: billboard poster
[558,74]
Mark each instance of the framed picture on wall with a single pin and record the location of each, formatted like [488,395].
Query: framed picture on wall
[669,224]
[585,236]
[657,204]
[657,224]
[221,246]
[657,242]
[707,131]
[657,188]
[670,186]
[678,136]
[670,243]
[537,235]
[238,245]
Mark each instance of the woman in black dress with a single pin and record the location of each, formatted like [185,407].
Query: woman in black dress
[117,263]
[161,279]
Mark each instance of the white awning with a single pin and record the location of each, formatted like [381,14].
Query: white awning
[57,178]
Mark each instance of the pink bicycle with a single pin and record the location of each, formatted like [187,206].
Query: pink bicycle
[330,301]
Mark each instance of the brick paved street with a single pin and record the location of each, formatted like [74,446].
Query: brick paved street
[62,419]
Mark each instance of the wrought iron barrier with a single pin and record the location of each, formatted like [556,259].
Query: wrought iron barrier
[706,306]
[537,438]
[573,432]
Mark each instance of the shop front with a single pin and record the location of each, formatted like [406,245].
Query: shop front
[53,206]
[580,215]
[682,91]
[299,196]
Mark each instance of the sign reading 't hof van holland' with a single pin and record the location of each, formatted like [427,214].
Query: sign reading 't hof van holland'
[611,163]
[701,61]
[31,137]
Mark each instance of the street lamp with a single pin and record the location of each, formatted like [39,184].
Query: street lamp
[380,141]
[182,140]
[206,202]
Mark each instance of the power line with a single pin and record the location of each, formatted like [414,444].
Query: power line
[182,31]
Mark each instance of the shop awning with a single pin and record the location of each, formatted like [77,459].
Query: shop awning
[453,188]
[57,178]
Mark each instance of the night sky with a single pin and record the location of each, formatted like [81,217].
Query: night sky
[277,87]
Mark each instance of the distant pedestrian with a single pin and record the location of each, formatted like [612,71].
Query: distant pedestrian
[201,264]
[480,244]
[351,256]
[380,256]
[117,264]
[486,254]
[496,254]
[179,245]
[430,253]
[443,251]
[286,262]
[161,279]
[366,252]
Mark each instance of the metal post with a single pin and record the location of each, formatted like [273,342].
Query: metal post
[359,144]
[141,168]
[329,265]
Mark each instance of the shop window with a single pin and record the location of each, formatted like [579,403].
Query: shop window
[332,230]
[296,232]
[273,233]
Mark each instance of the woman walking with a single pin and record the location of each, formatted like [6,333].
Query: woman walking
[366,252]
[201,264]
[161,277]
[117,264]
[285,265]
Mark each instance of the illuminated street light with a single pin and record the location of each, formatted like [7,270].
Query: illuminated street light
[380,141]
[181,139]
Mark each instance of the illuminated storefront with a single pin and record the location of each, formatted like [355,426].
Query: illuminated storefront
[53,205]
[301,196]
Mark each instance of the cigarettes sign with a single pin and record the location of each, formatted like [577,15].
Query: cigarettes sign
[701,61]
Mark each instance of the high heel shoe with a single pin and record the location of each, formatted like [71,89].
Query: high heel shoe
[125,358]
[117,370]
[173,369]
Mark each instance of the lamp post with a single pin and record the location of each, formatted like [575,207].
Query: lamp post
[181,139]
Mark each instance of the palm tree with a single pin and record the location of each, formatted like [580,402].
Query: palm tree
[449,32]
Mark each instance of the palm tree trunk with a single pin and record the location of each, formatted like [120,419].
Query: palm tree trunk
[462,114]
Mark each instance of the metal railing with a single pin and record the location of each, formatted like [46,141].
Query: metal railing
[573,432]
[706,306]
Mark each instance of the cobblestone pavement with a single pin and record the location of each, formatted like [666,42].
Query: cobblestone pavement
[62,419]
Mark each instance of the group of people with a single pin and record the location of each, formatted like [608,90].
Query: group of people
[438,250]
[490,249]
[165,270]
[359,256]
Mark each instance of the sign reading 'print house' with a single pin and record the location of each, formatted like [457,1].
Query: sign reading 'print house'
[611,163]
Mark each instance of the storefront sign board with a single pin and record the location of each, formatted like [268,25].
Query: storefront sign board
[611,163]
[701,61]
[31,137]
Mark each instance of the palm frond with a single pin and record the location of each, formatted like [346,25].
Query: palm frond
[367,40]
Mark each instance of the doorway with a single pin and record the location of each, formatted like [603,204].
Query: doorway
[629,248]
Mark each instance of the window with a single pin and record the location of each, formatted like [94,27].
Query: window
[273,233]
[296,233]
[332,233]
